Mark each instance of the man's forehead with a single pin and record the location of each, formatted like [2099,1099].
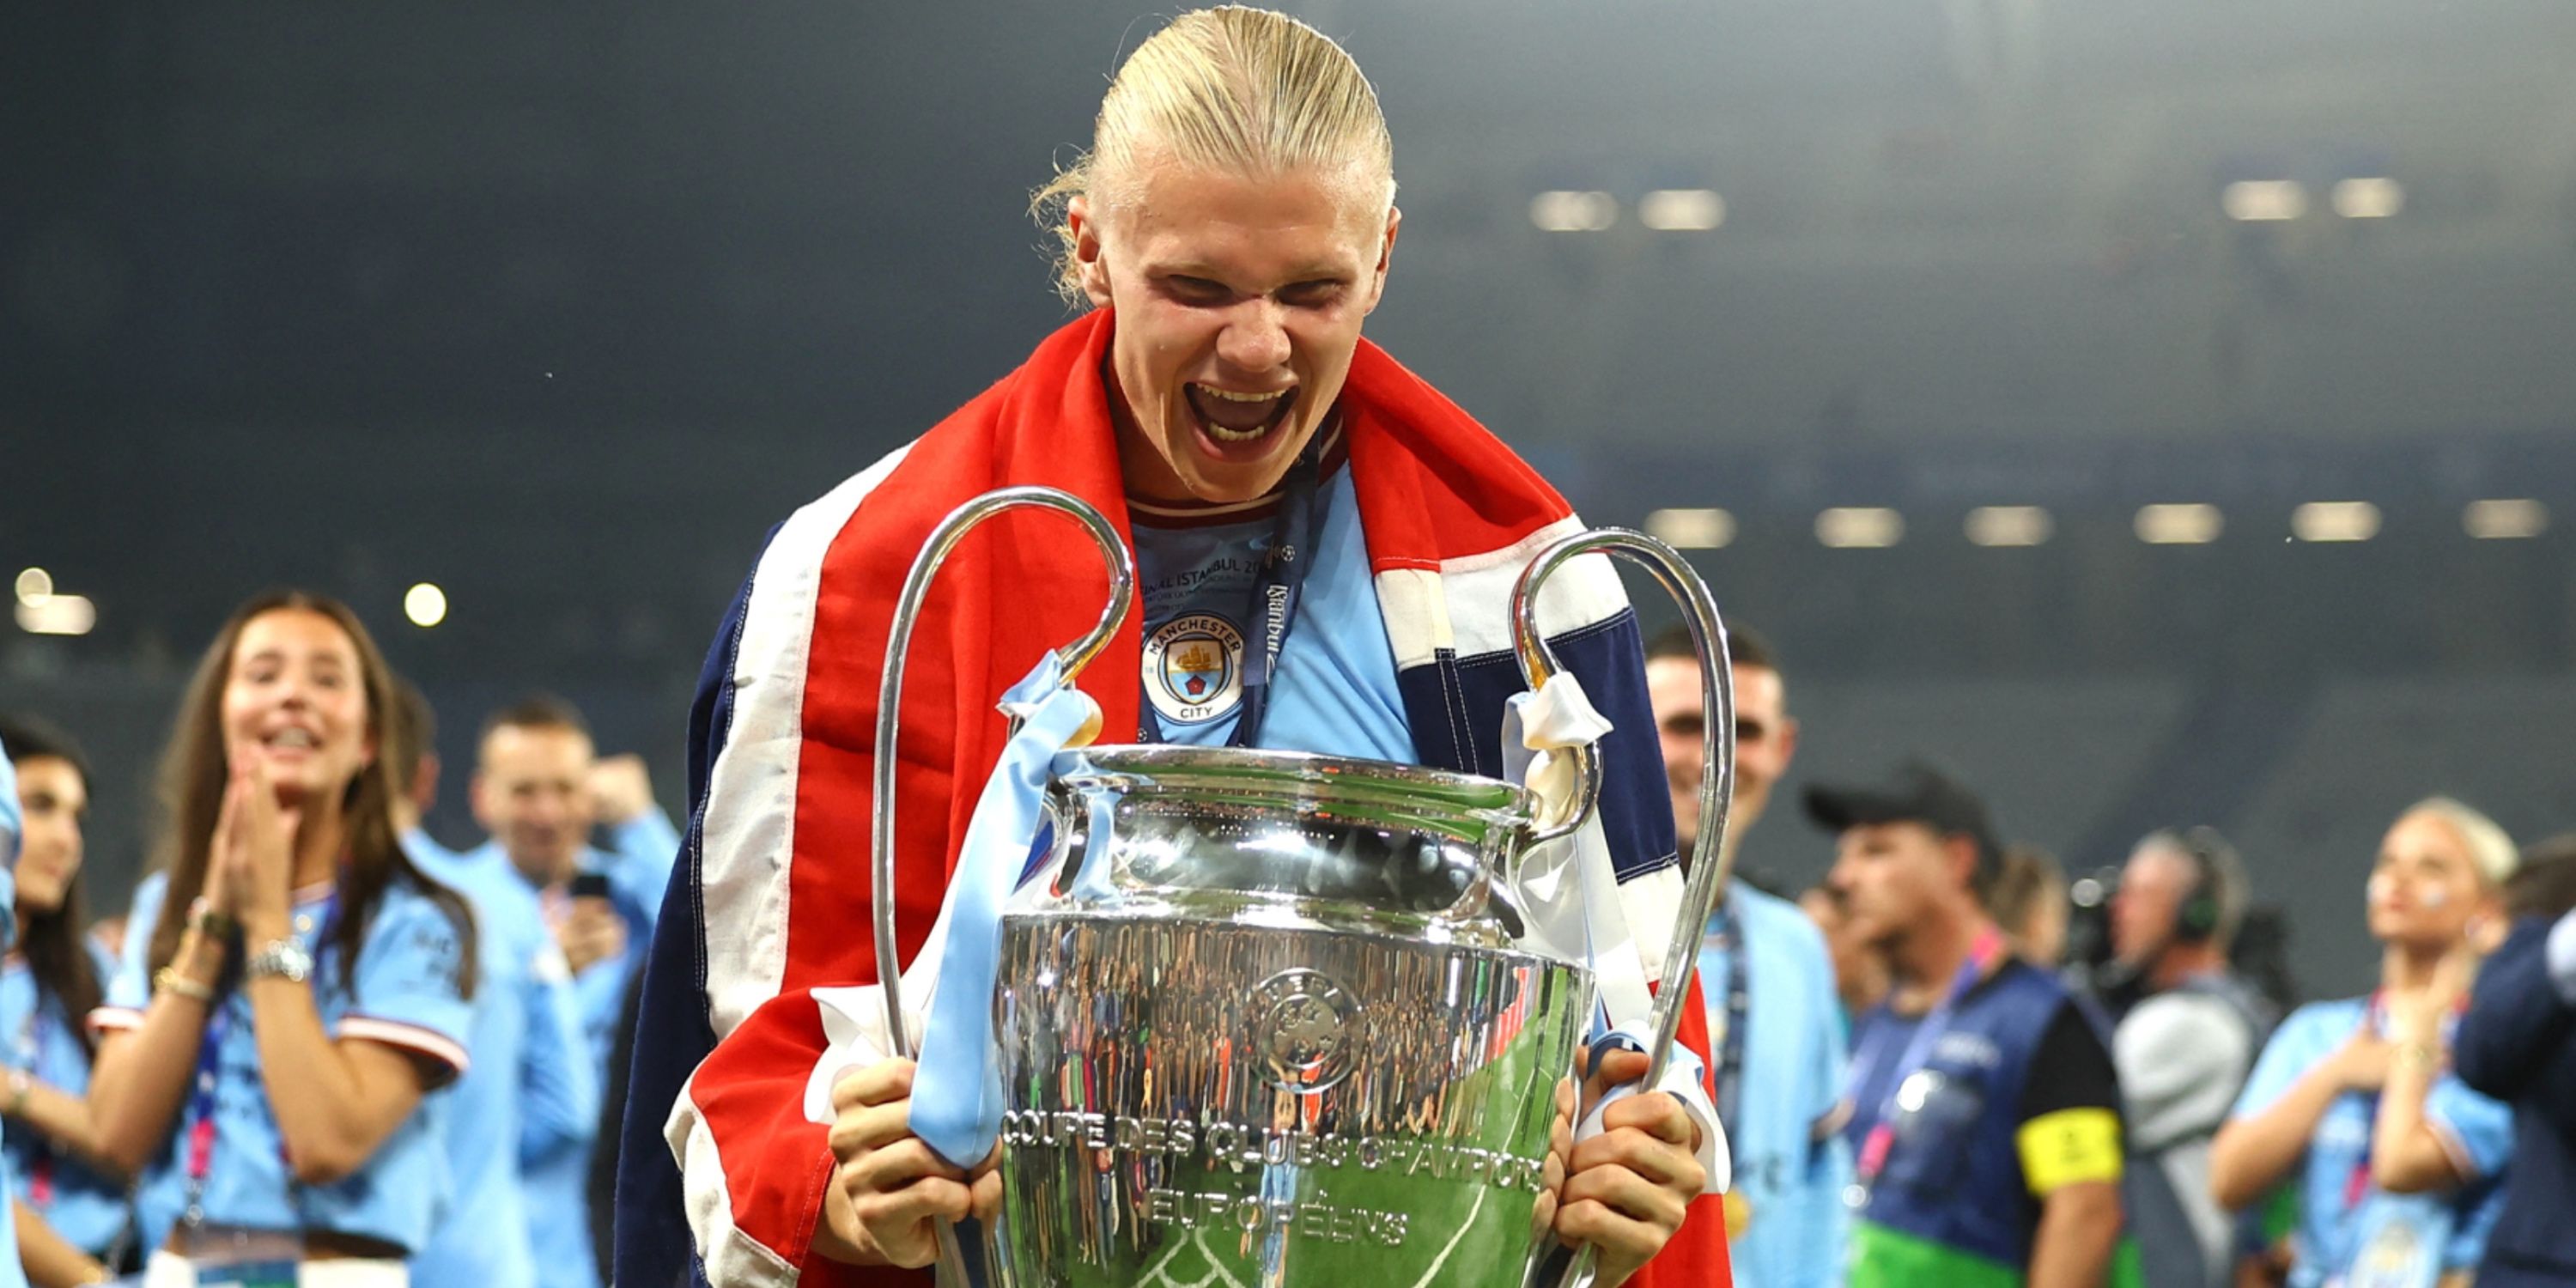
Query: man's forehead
[1204,223]
[2155,862]
[1895,832]
[536,742]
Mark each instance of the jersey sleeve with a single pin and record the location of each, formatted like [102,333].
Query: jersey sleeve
[2294,1049]
[409,988]
[644,847]
[558,1082]
[2477,1132]
[2070,1120]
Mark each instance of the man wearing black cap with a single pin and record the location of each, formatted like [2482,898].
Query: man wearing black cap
[1986,1114]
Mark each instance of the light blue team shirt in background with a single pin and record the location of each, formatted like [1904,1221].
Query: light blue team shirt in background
[87,1209]
[406,996]
[1335,691]
[1790,1164]
[12,1273]
[531,1094]
[2478,1130]
[555,1183]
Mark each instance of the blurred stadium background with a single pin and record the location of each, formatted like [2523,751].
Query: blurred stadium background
[2160,414]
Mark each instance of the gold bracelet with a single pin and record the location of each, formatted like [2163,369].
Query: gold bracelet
[169,980]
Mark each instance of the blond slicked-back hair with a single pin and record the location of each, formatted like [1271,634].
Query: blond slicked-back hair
[1233,88]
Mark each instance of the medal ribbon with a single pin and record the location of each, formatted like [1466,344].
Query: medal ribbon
[1284,565]
[1730,1052]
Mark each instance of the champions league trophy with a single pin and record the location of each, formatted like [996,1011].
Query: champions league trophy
[1274,1018]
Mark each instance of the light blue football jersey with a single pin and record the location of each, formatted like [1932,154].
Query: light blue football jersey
[406,995]
[1335,692]
[89,1210]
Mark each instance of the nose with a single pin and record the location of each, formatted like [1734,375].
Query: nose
[1255,339]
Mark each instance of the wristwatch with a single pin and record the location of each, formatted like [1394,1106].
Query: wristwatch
[284,958]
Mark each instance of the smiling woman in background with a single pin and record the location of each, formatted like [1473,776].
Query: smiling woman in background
[73,1216]
[2397,1163]
[273,1041]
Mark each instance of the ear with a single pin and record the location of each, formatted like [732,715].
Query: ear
[1962,852]
[477,798]
[1080,221]
[1788,741]
[1385,258]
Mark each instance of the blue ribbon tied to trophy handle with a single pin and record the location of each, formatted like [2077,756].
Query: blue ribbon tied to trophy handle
[957,1092]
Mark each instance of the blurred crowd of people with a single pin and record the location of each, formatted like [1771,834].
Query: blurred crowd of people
[1921,1090]
[321,1046]
[318,1037]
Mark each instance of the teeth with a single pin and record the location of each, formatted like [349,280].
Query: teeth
[1223,435]
[1229,396]
[291,738]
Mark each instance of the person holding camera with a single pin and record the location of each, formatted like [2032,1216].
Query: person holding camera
[2184,1049]
[541,789]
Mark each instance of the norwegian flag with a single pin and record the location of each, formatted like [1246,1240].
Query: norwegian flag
[771,900]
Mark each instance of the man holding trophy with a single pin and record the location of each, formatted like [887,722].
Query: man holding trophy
[1326,550]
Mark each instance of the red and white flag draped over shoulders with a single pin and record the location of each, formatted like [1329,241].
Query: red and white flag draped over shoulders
[771,900]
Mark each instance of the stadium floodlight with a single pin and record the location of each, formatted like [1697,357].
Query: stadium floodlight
[1860,527]
[2010,525]
[2373,198]
[425,604]
[1699,529]
[2264,200]
[2191,524]
[53,614]
[1681,210]
[2335,521]
[2505,519]
[1574,212]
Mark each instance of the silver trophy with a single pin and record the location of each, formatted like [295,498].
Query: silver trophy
[1266,1017]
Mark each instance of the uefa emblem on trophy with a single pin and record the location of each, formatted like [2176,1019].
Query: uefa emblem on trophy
[1276,1018]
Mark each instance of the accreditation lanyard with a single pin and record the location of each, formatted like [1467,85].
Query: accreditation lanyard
[31,1051]
[2356,1183]
[1722,938]
[209,1077]
[1274,596]
[1982,957]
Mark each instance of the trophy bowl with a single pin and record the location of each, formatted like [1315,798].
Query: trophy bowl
[1269,1017]
[1262,1021]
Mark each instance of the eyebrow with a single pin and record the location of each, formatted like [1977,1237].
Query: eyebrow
[1193,268]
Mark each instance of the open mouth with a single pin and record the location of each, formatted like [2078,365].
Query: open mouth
[1237,424]
[291,740]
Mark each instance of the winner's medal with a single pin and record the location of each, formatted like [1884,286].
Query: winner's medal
[1739,1214]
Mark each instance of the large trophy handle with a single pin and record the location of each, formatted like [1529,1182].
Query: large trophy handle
[916,586]
[1709,860]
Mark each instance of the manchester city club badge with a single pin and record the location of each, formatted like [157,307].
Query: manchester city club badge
[1194,668]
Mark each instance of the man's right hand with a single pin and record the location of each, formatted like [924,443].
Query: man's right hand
[889,1191]
[592,932]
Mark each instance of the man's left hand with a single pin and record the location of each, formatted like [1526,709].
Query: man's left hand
[1628,1188]
[620,789]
